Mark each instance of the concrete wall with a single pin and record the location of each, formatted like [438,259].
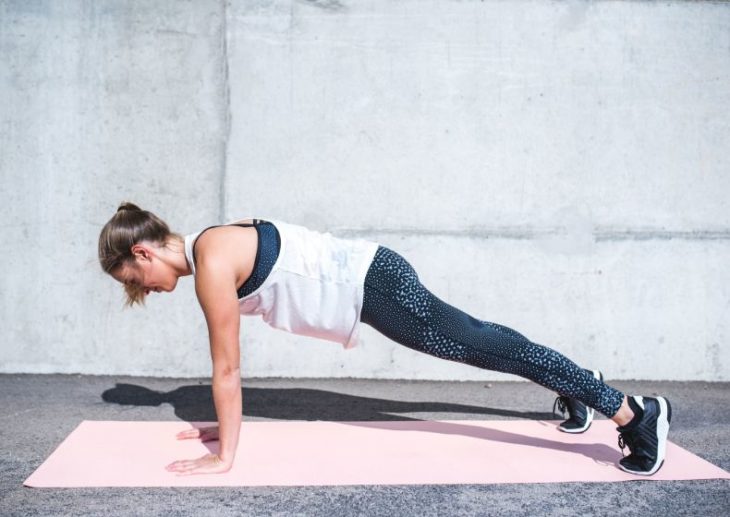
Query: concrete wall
[557,167]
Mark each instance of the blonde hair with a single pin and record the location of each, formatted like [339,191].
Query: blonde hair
[126,228]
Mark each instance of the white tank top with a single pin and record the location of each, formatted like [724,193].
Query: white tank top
[315,287]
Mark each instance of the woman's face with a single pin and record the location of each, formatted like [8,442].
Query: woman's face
[147,271]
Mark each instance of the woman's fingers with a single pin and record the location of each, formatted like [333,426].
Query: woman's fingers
[206,464]
[188,433]
[204,433]
[179,465]
[182,465]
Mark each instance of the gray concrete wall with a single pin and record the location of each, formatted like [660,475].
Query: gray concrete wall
[557,167]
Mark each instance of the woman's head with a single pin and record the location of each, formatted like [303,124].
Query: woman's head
[133,249]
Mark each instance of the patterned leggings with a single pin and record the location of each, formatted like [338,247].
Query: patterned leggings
[398,306]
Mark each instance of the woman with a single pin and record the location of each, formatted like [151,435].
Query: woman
[314,284]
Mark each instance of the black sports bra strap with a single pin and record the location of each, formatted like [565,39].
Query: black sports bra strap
[256,222]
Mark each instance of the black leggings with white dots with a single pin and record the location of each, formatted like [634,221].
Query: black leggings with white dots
[398,306]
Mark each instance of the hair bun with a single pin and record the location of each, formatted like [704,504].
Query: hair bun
[128,206]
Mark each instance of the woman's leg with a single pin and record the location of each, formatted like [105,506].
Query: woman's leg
[400,307]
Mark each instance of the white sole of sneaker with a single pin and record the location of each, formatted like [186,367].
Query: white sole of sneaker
[662,432]
[662,428]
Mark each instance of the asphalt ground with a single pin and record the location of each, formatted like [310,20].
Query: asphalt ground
[39,411]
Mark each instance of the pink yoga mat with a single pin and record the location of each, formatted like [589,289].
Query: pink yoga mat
[291,453]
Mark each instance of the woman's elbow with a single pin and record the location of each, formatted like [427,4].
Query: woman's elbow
[227,374]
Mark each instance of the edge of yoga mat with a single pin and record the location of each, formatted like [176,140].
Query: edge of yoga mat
[107,453]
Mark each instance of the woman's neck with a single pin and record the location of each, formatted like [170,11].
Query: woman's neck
[173,254]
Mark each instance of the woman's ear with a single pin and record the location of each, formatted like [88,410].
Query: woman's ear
[142,252]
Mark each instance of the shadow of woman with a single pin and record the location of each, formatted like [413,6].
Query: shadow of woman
[600,453]
[194,404]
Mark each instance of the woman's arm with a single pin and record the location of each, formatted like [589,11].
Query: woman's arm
[215,286]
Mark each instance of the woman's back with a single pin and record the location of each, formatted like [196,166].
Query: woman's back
[315,286]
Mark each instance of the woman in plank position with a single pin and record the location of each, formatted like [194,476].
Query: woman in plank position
[317,285]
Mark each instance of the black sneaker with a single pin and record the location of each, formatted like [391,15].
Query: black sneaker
[647,439]
[580,416]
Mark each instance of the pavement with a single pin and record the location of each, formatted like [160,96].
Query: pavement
[39,411]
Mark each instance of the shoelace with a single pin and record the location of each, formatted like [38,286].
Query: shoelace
[625,438]
[562,403]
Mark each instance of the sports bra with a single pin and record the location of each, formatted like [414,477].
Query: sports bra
[269,244]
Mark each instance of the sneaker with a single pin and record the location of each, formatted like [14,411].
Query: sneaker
[580,416]
[647,439]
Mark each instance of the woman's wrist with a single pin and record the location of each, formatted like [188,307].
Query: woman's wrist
[223,459]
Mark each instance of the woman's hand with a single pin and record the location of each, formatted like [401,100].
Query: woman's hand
[204,433]
[206,464]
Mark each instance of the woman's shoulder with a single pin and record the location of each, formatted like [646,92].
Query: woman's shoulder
[225,244]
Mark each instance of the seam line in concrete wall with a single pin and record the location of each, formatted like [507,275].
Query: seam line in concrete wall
[226,114]
[521,234]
